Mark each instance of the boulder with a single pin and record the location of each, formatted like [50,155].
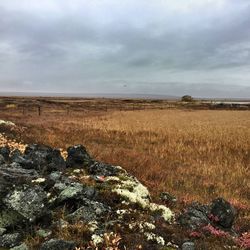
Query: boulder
[57,244]
[195,216]
[28,202]
[17,157]
[90,211]
[72,191]
[14,174]
[188,246]
[78,157]
[44,158]
[9,217]
[5,152]
[223,212]
[2,160]
[10,240]
[102,169]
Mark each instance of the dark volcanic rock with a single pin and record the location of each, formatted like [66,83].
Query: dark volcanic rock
[28,202]
[44,158]
[56,244]
[90,211]
[10,240]
[78,157]
[223,212]
[5,152]
[99,168]
[17,157]
[14,174]
[2,160]
[196,216]
[72,191]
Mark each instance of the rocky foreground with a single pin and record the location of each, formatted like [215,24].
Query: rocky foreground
[48,201]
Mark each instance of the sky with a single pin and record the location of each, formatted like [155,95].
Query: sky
[168,47]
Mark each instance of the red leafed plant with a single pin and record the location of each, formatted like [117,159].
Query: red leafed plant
[244,240]
[195,234]
[214,231]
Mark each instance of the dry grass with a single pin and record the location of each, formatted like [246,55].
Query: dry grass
[195,155]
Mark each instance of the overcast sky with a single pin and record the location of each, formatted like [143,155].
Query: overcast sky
[172,47]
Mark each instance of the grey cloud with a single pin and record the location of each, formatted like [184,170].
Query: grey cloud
[87,49]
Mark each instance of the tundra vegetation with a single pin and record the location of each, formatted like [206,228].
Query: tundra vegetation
[181,155]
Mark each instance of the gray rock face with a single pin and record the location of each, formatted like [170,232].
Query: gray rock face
[2,160]
[5,152]
[102,169]
[188,246]
[90,211]
[9,217]
[15,174]
[195,217]
[10,240]
[17,157]
[44,158]
[224,213]
[56,244]
[70,192]
[78,157]
[29,202]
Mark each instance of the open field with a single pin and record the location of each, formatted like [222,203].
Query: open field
[196,155]
[192,154]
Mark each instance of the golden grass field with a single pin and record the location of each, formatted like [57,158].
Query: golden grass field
[195,155]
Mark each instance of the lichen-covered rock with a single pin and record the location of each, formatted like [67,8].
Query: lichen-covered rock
[188,246]
[57,244]
[28,202]
[196,216]
[102,169]
[8,217]
[44,158]
[69,192]
[78,157]
[10,240]
[90,211]
[223,212]
[15,174]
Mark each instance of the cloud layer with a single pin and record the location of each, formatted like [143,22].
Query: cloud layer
[201,47]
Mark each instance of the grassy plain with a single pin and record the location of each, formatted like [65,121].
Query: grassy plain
[193,154]
[196,155]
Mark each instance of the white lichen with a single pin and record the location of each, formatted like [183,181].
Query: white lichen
[93,225]
[97,239]
[166,213]
[7,123]
[133,191]
[39,180]
[155,238]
